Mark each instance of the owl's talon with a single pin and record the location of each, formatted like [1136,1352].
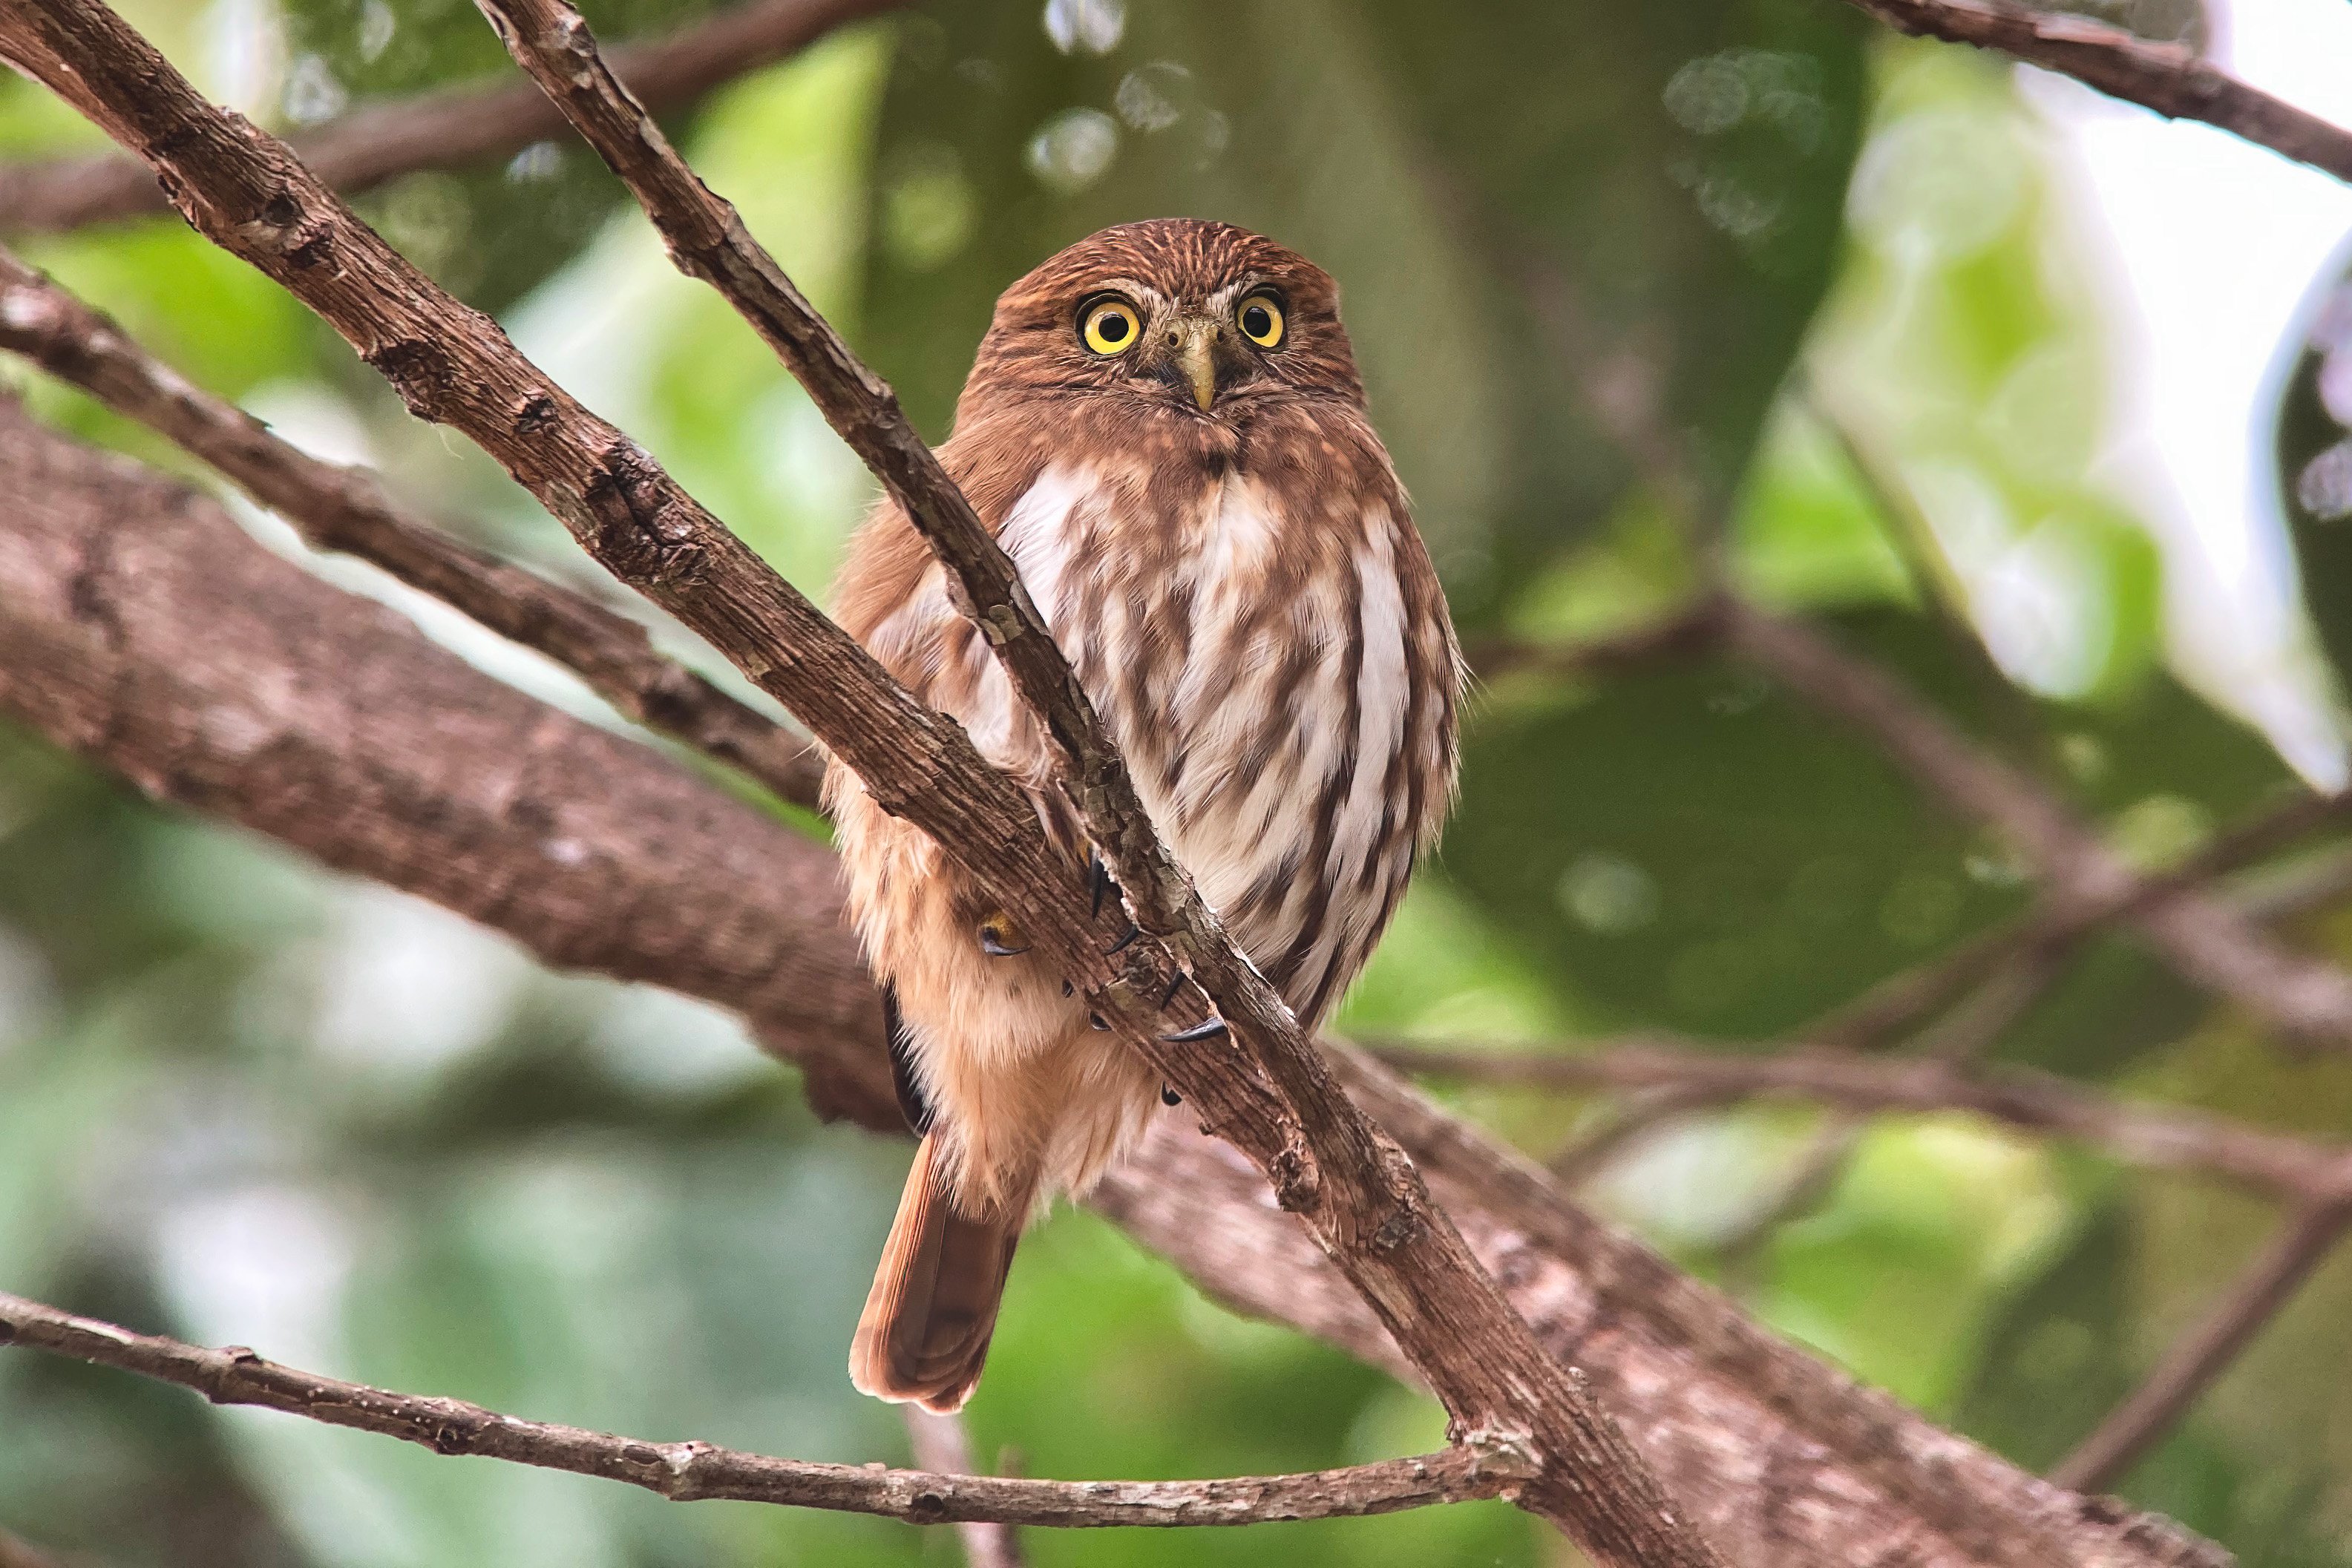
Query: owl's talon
[1098,880]
[1168,1096]
[998,935]
[1094,1021]
[1133,931]
[1209,1029]
[1175,984]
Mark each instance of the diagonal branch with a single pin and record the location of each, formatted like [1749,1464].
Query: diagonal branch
[2165,78]
[701,1472]
[221,678]
[446,128]
[2207,939]
[1361,1195]
[2204,1352]
[346,509]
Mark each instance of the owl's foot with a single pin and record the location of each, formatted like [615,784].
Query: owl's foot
[998,937]
[1207,1029]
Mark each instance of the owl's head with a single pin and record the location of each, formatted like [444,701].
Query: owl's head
[1201,320]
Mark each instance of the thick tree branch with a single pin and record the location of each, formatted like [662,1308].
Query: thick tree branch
[217,676]
[700,1473]
[2165,78]
[446,128]
[2204,1352]
[1367,1205]
[346,509]
[2152,1136]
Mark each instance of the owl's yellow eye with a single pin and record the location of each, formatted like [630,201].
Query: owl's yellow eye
[1260,319]
[1110,327]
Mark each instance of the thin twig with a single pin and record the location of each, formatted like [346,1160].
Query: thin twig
[346,509]
[942,1444]
[2203,1353]
[2157,1136]
[449,127]
[1329,1162]
[2166,77]
[2205,938]
[698,1472]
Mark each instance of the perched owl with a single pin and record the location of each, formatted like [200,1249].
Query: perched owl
[1166,431]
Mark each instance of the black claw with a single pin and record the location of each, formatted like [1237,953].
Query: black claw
[1098,874]
[1168,1096]
[1096,1020]
[1068,990]
[1133,931]
[1175,984]
[994,947]
[1208,1030]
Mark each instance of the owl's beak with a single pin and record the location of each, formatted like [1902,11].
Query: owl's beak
[1191,359]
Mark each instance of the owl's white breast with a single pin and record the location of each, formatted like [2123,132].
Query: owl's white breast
[1262,743]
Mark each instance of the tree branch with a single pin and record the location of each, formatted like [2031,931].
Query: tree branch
[346,510]
[1365,1203]
[700,1473]
[2204,1352]
[446,128]
[221,677]
[2206,939]
[2144,1134]
[2165,78]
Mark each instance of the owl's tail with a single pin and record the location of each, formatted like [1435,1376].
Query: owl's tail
[925,1330]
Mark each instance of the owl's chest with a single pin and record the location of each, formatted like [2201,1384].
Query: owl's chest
[1250,655]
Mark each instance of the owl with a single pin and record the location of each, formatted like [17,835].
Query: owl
[1165,430]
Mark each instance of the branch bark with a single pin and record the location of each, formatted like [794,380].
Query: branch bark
[1365,1203]
[701,1472]
[220,676]
[446,128]
[2210,942]
[2204,1352]
[2165,78]
[346,509]
[2162,1137]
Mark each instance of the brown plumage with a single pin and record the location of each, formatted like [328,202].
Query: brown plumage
[1165,429]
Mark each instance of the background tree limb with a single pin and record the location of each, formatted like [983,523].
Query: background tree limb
[446,128]
[2165,78]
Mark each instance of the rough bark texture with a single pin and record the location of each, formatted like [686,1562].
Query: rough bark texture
[346,509]
[702,1472]
[139,628]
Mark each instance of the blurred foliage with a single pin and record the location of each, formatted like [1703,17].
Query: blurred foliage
[244,1101]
